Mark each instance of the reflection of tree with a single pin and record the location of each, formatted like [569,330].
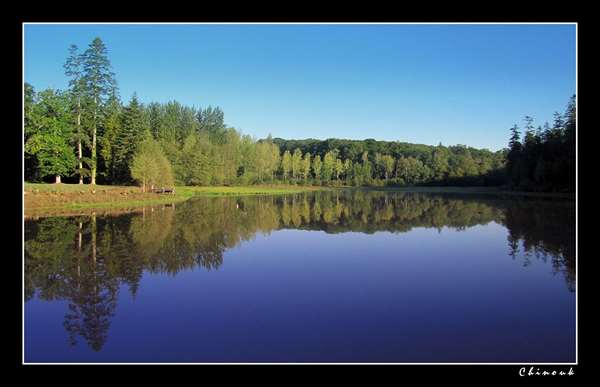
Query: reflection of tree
[92,304]
[85,259]
[62,262]
[378,211]
[92,293]
[544,229]
[48,247]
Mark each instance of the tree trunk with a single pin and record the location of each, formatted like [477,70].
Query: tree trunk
[93,171]
[79,154]
[79,237]
[94,238]
[57,181]
[79,150]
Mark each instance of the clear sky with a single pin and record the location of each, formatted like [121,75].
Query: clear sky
[454,84]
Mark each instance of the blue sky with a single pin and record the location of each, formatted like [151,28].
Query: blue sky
[454,84]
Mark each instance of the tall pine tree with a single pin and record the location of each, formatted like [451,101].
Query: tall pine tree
[127,139]
[73,70]
[111,128]
[99,82]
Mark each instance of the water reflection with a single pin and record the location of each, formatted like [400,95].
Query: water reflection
[85,260]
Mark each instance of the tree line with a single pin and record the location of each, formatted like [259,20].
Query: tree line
[376,163]
[86,134]
[543,158]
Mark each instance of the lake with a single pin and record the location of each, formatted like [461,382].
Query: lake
[329,276]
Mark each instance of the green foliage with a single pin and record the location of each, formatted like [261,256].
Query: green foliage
[30,127]
[286,164]
[366,168]
[339,168]
[306,166]
[202,150]
[55,157]
[111,135]
[49,133]
[447,165]
[347,170]
[545,159]
[317,166]
[412,171]
[211,121]
[193,165]
[126,139]
[97,75]
[328,169]
[296,163]
[439,163]
[149,165]
[98,82]
[387,162]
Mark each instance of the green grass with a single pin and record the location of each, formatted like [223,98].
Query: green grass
[179,190]
[45,187]
[84,201]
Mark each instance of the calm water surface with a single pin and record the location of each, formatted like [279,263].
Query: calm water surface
[319,277]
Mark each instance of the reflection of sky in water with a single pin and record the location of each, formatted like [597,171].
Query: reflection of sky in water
[294,295]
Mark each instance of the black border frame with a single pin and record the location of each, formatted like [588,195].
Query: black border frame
[359,373]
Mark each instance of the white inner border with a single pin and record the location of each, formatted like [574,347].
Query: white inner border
[309,23]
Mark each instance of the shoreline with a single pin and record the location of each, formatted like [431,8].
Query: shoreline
[42,200]
[473,190]
[52,199]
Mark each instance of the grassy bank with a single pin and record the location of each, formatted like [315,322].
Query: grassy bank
[55,199]
[58,198]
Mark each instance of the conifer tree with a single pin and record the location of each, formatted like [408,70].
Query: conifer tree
[73,70]
[99,81]
[128,137]
[111,129]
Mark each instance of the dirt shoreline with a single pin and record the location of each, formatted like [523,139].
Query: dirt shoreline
[73,200]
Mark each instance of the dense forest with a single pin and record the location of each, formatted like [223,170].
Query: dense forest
[86,134]
[545,158]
